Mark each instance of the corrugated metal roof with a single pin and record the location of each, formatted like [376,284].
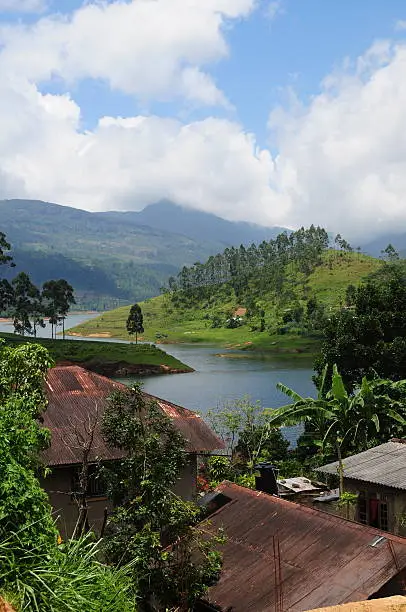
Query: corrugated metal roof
[385,604]
[74,396]
[384,465]
[325,560]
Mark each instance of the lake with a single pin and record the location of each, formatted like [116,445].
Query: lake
[71,321]
[216,379]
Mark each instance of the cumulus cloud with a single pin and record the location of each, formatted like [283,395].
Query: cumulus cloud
[23,6]
[341,159]
[150,49]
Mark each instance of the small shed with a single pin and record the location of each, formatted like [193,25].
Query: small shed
[378,477]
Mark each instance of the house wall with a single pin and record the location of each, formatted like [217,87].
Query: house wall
[395,498]
[58,485]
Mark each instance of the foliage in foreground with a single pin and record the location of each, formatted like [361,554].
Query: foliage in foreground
[174,563]
[249,437]
[35,573]
[69,577]
[339,423]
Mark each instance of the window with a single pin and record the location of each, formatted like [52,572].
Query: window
[96,486]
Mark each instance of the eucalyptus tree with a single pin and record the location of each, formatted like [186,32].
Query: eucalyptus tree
[135,321]
[58,296]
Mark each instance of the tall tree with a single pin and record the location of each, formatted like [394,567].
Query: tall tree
[151,527]
[135,321]
[58,297]
[25,305]
[5,257]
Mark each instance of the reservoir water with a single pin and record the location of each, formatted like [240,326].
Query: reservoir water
[216,379]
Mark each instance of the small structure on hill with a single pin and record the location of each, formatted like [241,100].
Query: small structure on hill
[76,401]
[279,555]
[378,478]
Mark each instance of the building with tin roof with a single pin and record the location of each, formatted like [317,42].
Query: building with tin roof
[76,401]
[378,478]
[280,555]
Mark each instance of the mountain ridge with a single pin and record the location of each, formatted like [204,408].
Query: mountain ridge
[131,258]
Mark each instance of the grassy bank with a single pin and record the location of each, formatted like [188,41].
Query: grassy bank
[165,324]
[108,358]
[162,326]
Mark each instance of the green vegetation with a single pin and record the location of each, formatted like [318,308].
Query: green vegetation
[37,573]
[114,258]
[204,320]
[151,527]
[104,357]
[369,334]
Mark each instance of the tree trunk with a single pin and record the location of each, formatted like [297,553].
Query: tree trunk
[136,338]
[63,328]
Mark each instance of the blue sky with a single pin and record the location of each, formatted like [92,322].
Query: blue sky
[179,101]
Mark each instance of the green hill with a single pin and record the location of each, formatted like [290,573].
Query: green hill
[115,258]
[205,320]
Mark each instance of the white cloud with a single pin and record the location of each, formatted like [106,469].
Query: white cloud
[400,24]
[23,6]
[341,160]
[151,49]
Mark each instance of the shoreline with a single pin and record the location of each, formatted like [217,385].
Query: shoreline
[124,369]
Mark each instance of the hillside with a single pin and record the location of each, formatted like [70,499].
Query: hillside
[164,322]
[116,257]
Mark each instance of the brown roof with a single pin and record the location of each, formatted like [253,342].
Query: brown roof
[385,604]
[75,394]
[325,560]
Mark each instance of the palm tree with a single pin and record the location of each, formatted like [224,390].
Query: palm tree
[342,423]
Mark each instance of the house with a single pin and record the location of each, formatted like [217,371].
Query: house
[378,478]
[76,399]
[280,555]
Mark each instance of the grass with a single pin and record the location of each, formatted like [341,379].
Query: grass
[163,323]
[69,577]
[103,356]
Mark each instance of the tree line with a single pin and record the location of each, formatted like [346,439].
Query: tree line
[267,262]
[27,305]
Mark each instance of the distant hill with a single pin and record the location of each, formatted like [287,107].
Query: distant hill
[115,257]
[166,320]
[376,246]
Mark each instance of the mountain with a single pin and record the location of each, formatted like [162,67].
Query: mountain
[376,246]
[198,225]
[115,257]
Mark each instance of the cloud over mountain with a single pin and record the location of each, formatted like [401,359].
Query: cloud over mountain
[340,161]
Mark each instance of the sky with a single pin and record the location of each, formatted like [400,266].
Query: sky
[278,112]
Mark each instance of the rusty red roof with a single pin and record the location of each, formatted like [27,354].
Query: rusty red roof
[325,560]
[74,396]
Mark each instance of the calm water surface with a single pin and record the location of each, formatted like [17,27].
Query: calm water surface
[70,321]
[216,379]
